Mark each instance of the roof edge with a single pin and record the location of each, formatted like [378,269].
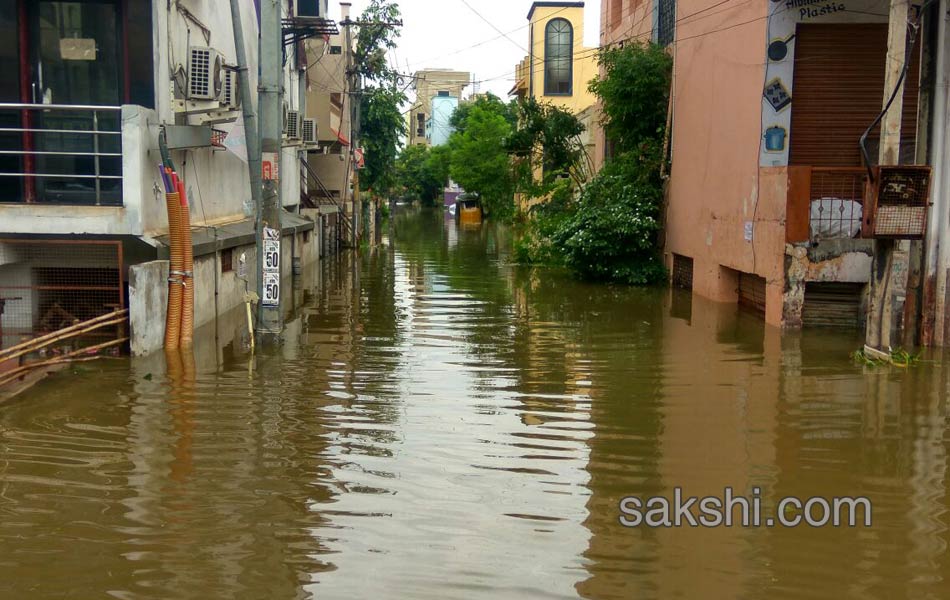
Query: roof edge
[553,5]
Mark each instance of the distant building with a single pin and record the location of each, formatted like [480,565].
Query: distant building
[436,90]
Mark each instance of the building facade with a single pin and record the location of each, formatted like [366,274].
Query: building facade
[769,100]
[89,89]
[434,88]
[559,67]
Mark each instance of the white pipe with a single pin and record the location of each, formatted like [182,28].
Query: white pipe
[938,237]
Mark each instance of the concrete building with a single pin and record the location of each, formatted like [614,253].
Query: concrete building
[330,174]
[443,89]
[90,86]
[766,189]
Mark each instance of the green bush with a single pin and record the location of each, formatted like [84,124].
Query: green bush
[611,233]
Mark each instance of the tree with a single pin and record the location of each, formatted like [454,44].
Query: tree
[423,172]
[547,136]
[479,160]
[382,127]
[634,92]
[487,101]
[381,122]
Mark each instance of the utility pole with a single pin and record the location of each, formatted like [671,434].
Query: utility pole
[268,226]
[353,91]
[886,252]
[252,140]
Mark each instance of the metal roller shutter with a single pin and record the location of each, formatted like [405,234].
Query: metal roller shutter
[832,305]
[752,292]
[838,90]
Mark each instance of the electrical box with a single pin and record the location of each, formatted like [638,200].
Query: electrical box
[898,201]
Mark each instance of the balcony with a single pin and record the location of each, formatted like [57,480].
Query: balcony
[79,170]
[825,203]
[61,154]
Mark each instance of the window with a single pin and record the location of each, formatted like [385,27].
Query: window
[616,13]
[336,99]
[336,49]
[227,260]
[558,58]
[443,94]
[665,22]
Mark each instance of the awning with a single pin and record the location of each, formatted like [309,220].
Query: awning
[340,137]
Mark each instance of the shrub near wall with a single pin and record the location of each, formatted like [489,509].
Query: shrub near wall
[610,230]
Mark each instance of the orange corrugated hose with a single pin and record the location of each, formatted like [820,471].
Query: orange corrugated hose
[188,279]
[176,266]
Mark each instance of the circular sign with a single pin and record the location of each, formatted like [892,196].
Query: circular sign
[778,50]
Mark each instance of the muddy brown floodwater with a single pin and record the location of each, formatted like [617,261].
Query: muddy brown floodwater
[440,424]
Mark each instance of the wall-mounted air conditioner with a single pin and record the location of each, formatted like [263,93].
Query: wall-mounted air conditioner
[230,89]
[205,73]
[311,9]
[309,132]
[293,126]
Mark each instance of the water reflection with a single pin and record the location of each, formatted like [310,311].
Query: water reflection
[440,424]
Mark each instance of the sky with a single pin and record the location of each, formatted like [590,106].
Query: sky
[448,34]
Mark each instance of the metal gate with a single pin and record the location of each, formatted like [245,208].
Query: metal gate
[46,285]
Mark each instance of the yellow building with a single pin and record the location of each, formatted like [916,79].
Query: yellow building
[559,67]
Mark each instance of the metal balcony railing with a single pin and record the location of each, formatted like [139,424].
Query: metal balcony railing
[61,154]
[825,203]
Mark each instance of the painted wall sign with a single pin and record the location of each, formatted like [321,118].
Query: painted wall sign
[779,57]
[775,137]
[270,166]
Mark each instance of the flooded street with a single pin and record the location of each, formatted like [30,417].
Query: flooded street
[441,424]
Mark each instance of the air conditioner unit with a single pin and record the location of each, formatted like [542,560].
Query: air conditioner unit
[898,201]
[293,125]
[205,73]
[230,89]
[309,131]
[311,9]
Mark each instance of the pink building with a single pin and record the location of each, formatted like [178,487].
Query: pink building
[770,99]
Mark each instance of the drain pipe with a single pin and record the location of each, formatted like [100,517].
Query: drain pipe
[188,275]
[176,255]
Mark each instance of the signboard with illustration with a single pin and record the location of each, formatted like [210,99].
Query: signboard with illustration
[778,91]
